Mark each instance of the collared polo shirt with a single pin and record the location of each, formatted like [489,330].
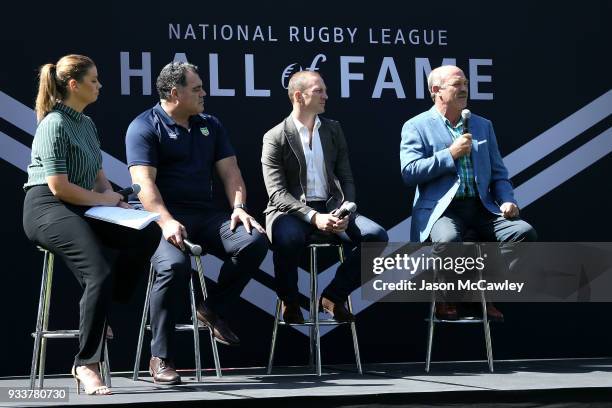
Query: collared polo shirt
[184,158]
[66,142]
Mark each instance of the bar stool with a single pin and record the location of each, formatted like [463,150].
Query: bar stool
[195,251]
[43,333]
[316,241]
[484,321]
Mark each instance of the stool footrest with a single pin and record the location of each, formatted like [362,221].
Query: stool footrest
[311,323]
[184,327]
[460,321]
[58,334]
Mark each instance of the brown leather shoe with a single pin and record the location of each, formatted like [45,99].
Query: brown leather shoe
[446,311]
[220,330]
[493,313]
[337,309]
[292,314]
[163,371]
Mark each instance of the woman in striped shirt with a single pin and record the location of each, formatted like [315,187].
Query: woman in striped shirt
[65,178]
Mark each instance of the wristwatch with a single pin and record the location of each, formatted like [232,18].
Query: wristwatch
[243,206]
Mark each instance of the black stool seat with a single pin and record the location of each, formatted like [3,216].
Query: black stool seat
[323,238]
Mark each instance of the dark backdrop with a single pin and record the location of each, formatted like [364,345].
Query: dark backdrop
[546,63]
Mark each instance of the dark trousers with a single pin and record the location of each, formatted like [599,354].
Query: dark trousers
[92,250]
[469,216]
[289,237]
[241,252]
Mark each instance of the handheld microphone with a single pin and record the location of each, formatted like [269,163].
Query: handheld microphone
[133,189]
[466,115]
[347,208]
[195,249]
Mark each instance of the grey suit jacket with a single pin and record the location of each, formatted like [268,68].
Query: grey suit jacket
[284,169]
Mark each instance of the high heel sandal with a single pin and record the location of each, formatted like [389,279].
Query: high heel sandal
[98,390]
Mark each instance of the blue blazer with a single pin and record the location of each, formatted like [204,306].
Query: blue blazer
[427,164]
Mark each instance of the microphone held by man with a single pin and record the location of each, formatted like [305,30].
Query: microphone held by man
[335,221]
[127,191]
[462,146]
[347,208]
[465,116]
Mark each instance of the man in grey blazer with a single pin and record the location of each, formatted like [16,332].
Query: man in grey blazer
[307,175]
[462,182]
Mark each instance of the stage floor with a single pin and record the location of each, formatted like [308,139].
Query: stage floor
[555,381]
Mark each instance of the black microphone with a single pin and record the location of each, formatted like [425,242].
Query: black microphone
[194,249]
[133,189]
[466,115]
[346,208]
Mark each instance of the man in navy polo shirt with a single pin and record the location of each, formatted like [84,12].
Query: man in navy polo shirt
[172,150]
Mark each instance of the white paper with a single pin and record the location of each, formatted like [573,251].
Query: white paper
[137,219]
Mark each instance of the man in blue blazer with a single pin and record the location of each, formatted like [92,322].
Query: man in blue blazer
[462,183]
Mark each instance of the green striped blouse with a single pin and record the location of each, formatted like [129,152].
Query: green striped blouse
[66,142]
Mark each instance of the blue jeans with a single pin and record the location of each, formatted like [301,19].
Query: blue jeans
[289,236]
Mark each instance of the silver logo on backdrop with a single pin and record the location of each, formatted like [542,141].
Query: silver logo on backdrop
[295,67]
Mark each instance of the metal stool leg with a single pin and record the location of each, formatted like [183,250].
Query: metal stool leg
[487,333]
[485,318]
[274,334]
[430,333]
[432,316]
[143,323]
[353,326]
[354,335]
[196,332]
[42,303]
[106,373]
[311,311]
[213,342]
[45,323]
[314,271]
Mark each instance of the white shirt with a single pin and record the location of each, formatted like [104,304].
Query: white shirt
[316,175]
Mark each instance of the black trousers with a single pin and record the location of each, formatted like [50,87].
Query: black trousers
[96,252]
[241,252]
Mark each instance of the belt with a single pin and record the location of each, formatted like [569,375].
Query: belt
[315,202]
[465,198]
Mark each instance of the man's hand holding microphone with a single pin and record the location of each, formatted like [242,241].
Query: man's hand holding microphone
[336,221]
[172,230]
[462,146]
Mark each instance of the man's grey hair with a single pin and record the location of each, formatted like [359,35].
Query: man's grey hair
[434,79]
[172,75]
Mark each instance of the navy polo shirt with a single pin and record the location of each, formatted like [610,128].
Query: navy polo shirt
[184,158]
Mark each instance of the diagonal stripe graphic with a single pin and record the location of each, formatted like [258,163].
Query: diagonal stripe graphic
[14,152]
[564,169]
[558,135]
